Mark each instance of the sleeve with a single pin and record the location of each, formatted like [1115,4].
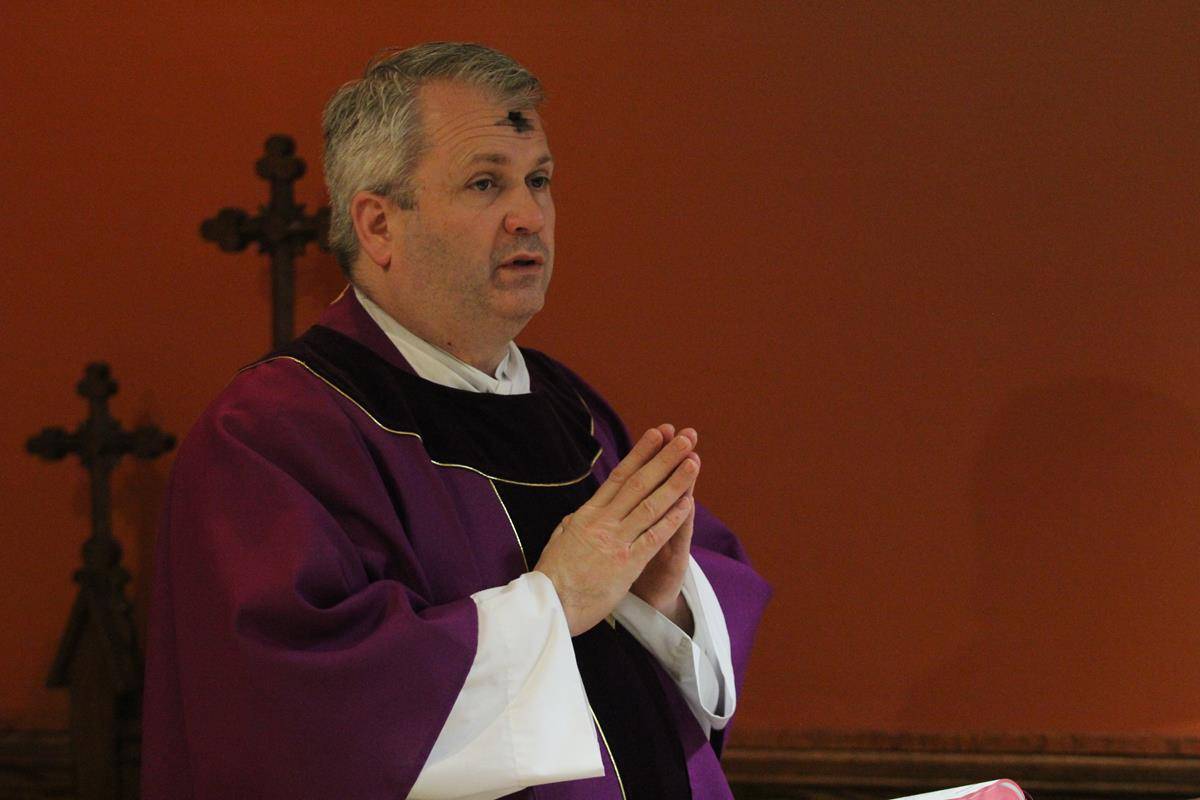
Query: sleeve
[277,666]
[741,592]
[700,665]
[522,717]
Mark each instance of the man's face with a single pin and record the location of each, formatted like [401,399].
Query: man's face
[478,249]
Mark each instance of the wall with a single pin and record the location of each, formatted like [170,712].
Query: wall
[924,277]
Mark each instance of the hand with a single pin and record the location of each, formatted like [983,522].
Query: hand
[661,583]
[595,554]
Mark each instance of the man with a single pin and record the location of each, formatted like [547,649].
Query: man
[402,557]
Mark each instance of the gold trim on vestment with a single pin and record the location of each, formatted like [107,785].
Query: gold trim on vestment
[603,738]
[508,516]
[370,416]
[591,419]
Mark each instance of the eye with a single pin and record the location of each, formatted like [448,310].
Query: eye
[540,182]
[483,184]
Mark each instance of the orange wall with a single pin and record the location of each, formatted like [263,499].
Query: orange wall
[926,280]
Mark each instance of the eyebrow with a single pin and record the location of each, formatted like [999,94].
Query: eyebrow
[503,160]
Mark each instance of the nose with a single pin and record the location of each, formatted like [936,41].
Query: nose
[526,215]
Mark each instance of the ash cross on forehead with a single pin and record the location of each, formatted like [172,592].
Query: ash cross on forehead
[518,121]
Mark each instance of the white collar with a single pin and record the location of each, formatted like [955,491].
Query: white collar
[434,364]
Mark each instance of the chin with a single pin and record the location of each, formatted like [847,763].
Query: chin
[521,313]
[519,304]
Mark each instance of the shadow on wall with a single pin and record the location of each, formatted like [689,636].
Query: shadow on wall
[140,500]
[1087,499]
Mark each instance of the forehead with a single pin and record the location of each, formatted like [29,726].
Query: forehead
[459,121]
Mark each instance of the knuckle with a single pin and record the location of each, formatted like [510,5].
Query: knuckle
[637,484]
[649,508]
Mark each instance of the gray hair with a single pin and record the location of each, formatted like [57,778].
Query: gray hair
[373,136]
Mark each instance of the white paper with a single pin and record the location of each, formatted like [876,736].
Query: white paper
[1004,790]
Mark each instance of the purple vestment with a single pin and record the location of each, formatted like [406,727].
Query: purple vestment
[311,621]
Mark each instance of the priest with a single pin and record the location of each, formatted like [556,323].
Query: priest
[403,557]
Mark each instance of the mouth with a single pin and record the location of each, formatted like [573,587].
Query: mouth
[523,261]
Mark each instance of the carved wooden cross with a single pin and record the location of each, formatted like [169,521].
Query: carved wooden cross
[100,443]
[98,656]
[281,229]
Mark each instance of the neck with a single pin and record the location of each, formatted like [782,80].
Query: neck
[472,344]
[483,358]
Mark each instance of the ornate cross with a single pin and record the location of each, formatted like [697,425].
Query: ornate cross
[281,229]
[100,443]
[98,656]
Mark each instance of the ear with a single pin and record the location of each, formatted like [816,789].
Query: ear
[375,224]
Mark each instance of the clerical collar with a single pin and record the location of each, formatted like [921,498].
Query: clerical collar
[434,364]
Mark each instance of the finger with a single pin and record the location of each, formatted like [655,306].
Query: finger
[689,524]
[643,450]
[649,477]
[651,509]
[646,546]
[679,543]
[668,432]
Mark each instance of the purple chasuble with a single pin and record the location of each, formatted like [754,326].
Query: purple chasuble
[327,520]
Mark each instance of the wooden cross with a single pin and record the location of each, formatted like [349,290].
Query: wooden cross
[281,229]
[98,656]
[100,443]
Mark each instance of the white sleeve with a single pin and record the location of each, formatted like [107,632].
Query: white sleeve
[701,665]
[522,717]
